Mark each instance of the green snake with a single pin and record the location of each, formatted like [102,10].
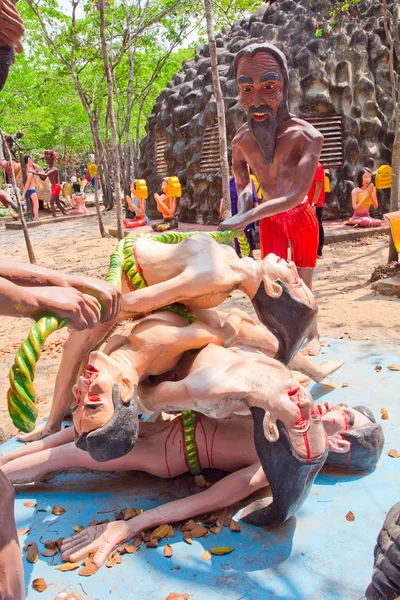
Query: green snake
[21,394]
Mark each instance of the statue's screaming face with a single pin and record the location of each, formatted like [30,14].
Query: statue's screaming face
[261,92]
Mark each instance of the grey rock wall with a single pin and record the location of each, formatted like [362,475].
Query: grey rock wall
[346,72]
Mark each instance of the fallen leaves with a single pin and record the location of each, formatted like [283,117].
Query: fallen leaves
[221,550]
[78,528]
[88,570]
[393,453]
[345,384]
[384,414]
[30,504]
[50,552]
[68,566]
[114,559]
[24,531]
[161,532]
[168,551]
[350,516]
[234,526]
[58,510]
[39,584]
[393,368]
[175,596]
[128,513]
[378,368]
[198,531]
[32,552]
[206,555]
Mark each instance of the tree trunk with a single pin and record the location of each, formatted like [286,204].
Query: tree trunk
[223,146]
[29,206]
[97,201]
[29,247]
[107,70]
[395,191]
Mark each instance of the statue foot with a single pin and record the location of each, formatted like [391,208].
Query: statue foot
[326,368]
[40,432]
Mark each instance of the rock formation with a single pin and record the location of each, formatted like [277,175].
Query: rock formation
[340,81]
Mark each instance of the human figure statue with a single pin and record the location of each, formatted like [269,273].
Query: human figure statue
[78,199]
[283,152]
[28,291]
[316,199]
[29,188]
[202,273]
[362,198]
[51,173]
[167,206]
[5,199]
[92,170]
[136,209]
[160,451]
[250,229]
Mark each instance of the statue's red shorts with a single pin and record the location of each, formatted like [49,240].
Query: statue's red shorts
[298,225]
[55,189]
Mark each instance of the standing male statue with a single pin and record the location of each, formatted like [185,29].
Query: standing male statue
[283,153]
[52,173]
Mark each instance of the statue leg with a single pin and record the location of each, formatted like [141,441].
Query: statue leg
[11,570]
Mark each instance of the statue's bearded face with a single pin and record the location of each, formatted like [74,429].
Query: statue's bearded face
[261,94]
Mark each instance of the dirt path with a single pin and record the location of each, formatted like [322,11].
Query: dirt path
[348,307]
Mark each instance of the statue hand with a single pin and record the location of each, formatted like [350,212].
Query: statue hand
[40,432]
[100,539]
[81,310]
[108,295]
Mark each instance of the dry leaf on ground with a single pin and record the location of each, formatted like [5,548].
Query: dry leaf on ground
[137,541]
[50,552]
[198,531]
[393,453]
[58,510]
[350,516]
[89,570]
[345,384]
[39,585]
[30,505]
[221,550]
[78,528]
[168,551]
[153,543]
[175,596]
[393,368]
[32,552]
[187,537]
[68,566]
[171,532]
[234,526]
[128,549]
[206,555]
[160,532]
[215,528]
[378,368]
[113,560]
[24,531]
[384,414]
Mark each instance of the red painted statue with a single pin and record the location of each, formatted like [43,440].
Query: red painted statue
[283,153]
[51,172]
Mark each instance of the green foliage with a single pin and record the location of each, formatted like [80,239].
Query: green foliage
[40,96]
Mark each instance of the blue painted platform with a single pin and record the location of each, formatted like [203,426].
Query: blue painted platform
[318,555]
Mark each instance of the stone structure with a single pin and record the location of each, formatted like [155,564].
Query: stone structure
[340,82]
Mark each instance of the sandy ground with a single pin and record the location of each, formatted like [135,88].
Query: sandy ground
[348,307]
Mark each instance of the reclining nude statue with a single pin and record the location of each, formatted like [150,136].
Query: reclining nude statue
[201,283]
[239,378]
[355,441]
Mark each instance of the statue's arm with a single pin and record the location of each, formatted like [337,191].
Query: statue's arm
[308,146]
[85,290]
[54,440]
[242,178]
[103,539]
[75,351]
